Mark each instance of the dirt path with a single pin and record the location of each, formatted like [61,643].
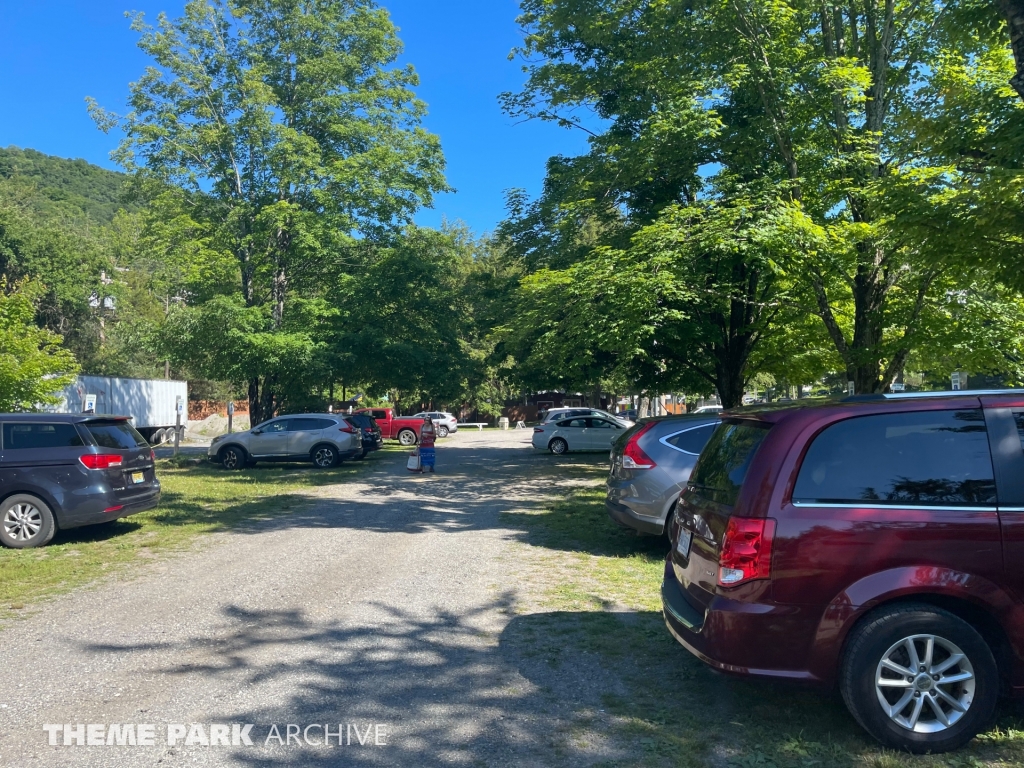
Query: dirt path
[389,601]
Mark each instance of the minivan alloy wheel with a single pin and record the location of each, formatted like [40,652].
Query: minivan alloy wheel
[925,683]
[23,521]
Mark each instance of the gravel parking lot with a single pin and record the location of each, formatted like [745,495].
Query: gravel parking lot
[388,602]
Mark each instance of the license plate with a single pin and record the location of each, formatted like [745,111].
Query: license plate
[138,477]
[685,539]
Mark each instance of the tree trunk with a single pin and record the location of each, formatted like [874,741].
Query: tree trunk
[255,406]
[1013,12]
[731,383]
[268,401]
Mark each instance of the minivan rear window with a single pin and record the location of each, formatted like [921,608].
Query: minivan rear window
[723,464]
[933,458]
[118,435]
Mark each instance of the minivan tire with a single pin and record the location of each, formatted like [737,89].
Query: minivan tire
[232,457]
[884,635]
[558,446]
[407,437]
[26,512]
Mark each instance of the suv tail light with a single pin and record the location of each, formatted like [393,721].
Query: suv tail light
[101,460]
[348,428]
[633,456]
[537,429]
[746,551]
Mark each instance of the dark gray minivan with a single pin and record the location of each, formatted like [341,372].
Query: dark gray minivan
[61,471]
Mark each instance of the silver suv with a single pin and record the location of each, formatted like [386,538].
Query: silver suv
[326,439]
[444,422]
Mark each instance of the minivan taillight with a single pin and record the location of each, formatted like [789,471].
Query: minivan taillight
[746,551]
[633,456]
[101,460]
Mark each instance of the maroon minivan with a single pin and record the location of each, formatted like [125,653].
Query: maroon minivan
[876,543]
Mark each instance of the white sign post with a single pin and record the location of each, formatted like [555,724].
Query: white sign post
[89,404]
[957,380]
[178,407]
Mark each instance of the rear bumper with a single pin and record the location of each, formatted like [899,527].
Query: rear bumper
[755,639]
[91,510]
[626,517]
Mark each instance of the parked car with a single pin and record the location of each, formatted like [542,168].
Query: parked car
[326,439]
[875,542]
[650,464]
[559,414]
[708,409]
[578,434]
[628,415]
[406,430]
[369,431]
[444,423]
[62,471]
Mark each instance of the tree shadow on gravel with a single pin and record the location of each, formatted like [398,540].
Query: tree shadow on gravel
[472,490]
[449,690]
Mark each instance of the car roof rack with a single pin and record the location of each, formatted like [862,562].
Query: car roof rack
[926,395]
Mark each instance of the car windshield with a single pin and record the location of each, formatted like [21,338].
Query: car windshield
[119,435]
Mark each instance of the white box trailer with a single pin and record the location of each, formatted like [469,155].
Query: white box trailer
[151,403]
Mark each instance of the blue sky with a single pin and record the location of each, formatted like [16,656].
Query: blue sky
[53,54]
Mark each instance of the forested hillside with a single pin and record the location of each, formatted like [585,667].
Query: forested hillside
[61,183]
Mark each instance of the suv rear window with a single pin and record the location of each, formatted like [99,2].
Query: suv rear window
[939,458]
[25,436]
[119,435]
[724,462]
[691,440]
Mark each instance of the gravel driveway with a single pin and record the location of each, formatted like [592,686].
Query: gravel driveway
[389,602]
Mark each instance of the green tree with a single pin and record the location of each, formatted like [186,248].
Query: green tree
[1013,12]
[820,98]
[33,364]
[294,140]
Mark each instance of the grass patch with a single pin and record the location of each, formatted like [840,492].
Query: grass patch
[198,498]
[668,707]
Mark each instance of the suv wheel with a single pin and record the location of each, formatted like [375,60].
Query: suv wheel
[442,430]
[558,446]
[919,678]
[407,437]
[325,456]
[25,522]
[232,457]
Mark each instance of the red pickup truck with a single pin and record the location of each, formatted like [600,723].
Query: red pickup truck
[404,430]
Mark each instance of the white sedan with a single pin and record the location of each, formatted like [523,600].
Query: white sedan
[582,433]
